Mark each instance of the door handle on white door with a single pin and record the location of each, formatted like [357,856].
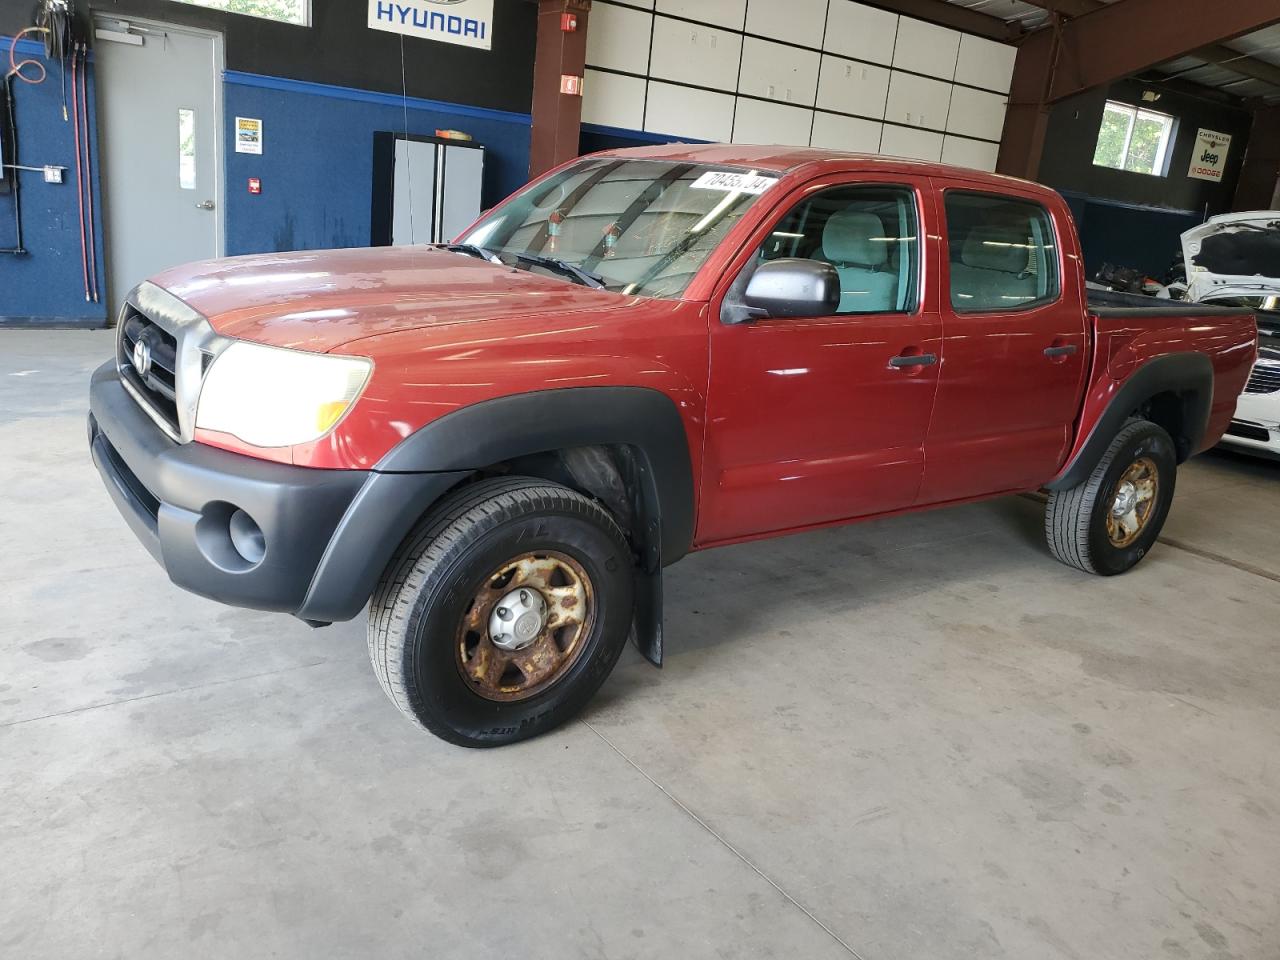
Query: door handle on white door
[205,205]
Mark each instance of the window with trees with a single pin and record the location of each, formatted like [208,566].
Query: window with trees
[1134,139]
[286,11]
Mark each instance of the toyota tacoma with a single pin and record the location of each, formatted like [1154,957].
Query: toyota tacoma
[497,445]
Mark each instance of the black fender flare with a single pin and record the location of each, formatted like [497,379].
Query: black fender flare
[644,420]
[1189,376]
[523,424]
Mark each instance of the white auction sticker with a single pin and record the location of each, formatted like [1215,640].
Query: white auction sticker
[728,181]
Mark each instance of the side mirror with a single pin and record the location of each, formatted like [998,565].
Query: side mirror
[790,287]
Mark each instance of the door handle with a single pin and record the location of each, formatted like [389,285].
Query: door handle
[205,205]
[913,360]
[1061,351]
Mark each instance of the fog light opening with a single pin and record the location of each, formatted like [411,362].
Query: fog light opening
[247,537]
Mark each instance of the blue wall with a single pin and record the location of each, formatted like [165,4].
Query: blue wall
[317,162]
[316,171]
[46,284]
[1129,235]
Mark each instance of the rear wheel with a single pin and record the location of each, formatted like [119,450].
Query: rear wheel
[1108,522]
[500,618]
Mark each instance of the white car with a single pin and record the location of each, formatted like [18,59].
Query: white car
[1236,257]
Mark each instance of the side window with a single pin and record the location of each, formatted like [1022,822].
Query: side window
[867,233]
[1003,253]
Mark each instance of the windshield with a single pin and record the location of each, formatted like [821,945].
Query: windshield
[634,226]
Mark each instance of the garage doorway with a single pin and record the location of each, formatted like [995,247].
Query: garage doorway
[160,143]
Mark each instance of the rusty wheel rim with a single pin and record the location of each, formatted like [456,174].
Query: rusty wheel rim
[1132,502]
[551,586]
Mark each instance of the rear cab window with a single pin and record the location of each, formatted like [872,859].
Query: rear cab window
[1003,253]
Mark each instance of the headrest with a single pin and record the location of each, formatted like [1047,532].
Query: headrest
[996,248]
[848,238]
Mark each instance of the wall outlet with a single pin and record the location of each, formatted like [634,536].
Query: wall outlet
[53,174]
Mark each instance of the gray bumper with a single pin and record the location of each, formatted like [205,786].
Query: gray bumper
[328,534]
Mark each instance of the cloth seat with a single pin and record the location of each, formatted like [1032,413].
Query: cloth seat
[993,271]
[853,242]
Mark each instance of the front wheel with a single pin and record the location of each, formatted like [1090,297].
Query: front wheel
[504,612]
[1107,523]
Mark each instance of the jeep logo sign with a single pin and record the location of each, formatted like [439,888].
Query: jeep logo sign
[465,22]
[1209,157]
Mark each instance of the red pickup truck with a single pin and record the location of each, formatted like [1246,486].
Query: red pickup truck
[498,444]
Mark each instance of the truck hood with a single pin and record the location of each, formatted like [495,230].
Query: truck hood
[1233,255]
[320,300]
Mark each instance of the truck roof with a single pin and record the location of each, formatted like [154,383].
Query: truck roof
[784,159]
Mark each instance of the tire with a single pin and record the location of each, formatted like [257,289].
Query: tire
[429,635]
[1076,520]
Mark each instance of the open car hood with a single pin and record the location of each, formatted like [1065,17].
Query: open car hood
[1233,255]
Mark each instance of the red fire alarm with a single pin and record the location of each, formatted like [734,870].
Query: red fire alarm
[571,85]
[255,185]
[568,22]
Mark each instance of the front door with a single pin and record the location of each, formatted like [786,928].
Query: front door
[1014,350]
[821,419]
[160,148]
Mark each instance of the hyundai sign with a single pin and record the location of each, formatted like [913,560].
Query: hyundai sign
[468,22]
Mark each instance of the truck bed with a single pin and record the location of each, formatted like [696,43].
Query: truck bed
[1112,303]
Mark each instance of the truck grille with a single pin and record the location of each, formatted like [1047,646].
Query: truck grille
[1266,374]
[143,342]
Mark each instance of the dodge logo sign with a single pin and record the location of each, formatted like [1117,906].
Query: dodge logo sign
[142,359]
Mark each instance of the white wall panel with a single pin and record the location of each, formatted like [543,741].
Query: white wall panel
[917,101]
[835,132]
[985,63]
[778,72]
[692,53]
[976,113]
[725,13]
[760,122]
[977,154]
[851,87]
[795,21]
[618,38]
[685,112]
[926,48]
[861,32]
[613,100]
[910,142]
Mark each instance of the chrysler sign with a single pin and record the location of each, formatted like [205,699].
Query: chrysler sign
[467,22]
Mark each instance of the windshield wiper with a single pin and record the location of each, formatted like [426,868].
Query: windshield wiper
[584,277]
[473,250]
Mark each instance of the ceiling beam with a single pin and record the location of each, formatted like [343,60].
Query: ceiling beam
[1103,45]
[953,15]
[1218,53]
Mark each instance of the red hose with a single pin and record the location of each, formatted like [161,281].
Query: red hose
[84,253]
[88,169]
[15,69]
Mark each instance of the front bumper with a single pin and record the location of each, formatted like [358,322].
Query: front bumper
[1256,426]
[328,534]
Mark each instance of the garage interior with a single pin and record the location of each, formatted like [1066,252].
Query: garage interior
[913,737]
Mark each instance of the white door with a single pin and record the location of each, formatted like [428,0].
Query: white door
[160,147]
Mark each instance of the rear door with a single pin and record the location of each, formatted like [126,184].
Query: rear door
[818,419]
[1015,346]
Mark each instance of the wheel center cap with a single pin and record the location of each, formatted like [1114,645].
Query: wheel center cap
[518,619]
[1126,498]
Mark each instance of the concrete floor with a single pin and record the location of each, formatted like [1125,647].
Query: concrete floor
[919,738]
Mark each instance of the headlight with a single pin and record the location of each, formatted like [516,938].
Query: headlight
[272,397]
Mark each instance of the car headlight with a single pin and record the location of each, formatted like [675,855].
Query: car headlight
[273,397]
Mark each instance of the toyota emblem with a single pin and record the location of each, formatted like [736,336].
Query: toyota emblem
[142,359]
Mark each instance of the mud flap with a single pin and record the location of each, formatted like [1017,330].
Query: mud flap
[647,625]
